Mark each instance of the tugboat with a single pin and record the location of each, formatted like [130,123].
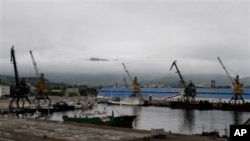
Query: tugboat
[102,118]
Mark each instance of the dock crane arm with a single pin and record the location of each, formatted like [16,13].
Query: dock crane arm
[179,73]
[34,64]
[229,76]
[130,77]
[13,59]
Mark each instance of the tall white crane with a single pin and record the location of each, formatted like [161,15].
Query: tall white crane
[34,64]
[130,77]
[228,74]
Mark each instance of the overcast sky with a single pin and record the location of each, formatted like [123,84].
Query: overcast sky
[96,36]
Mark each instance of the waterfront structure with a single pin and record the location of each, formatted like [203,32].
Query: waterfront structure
[74,91]
[4,90]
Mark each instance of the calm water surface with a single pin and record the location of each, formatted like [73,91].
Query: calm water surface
[174,120]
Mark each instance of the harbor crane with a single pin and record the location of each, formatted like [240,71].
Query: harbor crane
[21,88]
[41,88]
[237,86]
[34,64]
[190,89]
[136,86]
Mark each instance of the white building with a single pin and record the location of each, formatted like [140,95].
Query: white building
[69,91]
[4,90]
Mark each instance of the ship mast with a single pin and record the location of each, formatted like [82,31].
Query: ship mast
[34,64]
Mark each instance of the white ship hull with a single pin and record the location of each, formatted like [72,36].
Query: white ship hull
[128,101]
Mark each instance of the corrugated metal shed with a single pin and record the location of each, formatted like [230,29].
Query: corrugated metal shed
[217,93]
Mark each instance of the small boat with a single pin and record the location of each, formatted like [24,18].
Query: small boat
[102,118]
[134,101]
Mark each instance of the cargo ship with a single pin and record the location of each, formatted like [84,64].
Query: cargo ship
[101,118]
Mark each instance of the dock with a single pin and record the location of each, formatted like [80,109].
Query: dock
[202,105]
[198,104]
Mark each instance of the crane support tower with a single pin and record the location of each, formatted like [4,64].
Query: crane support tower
[21,88]
[190,89]
[135,85]
[41,88]
[237,86]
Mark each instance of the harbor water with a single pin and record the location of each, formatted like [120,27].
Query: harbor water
[174,120]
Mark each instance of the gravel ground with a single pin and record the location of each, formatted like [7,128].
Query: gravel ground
[23,129]
[14,128]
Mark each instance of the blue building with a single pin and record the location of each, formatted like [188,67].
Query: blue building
[214,93]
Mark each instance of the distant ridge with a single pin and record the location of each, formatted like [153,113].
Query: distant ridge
[113,79]
[197,79]
[5,79]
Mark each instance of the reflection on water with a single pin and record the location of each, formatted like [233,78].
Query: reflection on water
[188,120]
[175,120]
[236,117]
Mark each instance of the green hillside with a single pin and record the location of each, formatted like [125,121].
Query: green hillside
[8,80]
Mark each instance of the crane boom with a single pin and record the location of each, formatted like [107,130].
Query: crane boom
[21,87]
[229,76]
[34,64]
[130,77]
[13,59]
[179,73]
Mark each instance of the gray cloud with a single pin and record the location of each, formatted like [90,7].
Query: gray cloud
[97,59]
[147,35]
[101,59]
